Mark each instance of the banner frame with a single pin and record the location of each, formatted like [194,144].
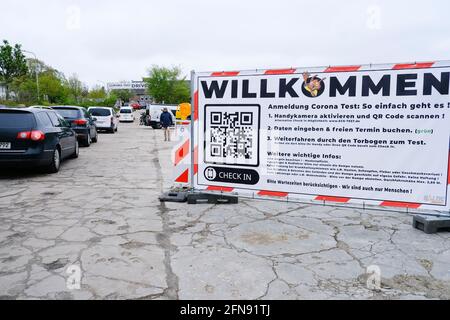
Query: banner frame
[391,206]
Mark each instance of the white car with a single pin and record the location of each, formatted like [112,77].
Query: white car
[155,111]
[106,118]
[126,114]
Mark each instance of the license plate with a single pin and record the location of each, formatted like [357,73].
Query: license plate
[5,145]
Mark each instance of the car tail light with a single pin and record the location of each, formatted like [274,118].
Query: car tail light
[25,135]
[37,135]
[34,135]
[80,122]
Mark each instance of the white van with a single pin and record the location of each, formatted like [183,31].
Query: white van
[155,111]
[126,114]
[106,118]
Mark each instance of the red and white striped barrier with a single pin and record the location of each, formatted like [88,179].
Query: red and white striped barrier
[181,157]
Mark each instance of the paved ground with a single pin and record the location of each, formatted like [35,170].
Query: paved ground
[101,213]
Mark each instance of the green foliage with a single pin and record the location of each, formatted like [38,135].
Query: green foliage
[165,85]
[110,101]
[76,90]
[51,85]
[123,94]
[8,103]
[97,93]
[181,92]
[24,89]
[12,64]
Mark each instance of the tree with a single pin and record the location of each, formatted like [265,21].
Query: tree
[181,92]
[76,90]
[24,89]
[12,64]
[51,83]
[109,101]
[97,93]
[123,94]
[52,88]
[165,85]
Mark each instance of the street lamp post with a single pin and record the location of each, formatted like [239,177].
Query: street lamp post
[37,74]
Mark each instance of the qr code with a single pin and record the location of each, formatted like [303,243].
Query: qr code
[232,135]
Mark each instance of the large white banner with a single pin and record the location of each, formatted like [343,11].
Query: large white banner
[127,85]
[366,135]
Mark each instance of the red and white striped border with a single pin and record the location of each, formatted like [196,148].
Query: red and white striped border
[329,69]
[181,158]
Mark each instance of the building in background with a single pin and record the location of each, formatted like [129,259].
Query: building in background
[139,89]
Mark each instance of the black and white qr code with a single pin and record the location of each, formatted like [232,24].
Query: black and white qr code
[232,135]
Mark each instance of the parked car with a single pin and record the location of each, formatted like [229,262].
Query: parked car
[106,118]
[136,106]
[82,123]
[35,138]
[126,114]
[41,107]
[154,112]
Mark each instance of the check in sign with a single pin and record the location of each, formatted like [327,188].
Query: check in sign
[363,134]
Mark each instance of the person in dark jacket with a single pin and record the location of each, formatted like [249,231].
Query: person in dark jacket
[166,123]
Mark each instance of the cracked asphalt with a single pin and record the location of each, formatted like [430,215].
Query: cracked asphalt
[101,213]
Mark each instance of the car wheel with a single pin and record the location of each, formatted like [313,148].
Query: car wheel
[54,165]
[112,131]
[88,141]
[95,139]
[77,151]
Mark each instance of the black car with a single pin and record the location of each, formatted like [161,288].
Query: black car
[35,138]
[82,123]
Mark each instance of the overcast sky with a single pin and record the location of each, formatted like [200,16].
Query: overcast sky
[111,40]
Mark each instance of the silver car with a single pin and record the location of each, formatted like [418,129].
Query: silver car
[106,118]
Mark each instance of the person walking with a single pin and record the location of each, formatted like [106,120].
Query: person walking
[166,123]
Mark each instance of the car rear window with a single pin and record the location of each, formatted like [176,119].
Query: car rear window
[97,112]
[54,118]
[44,119]
[16,120]
[126,111]
[69,113]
